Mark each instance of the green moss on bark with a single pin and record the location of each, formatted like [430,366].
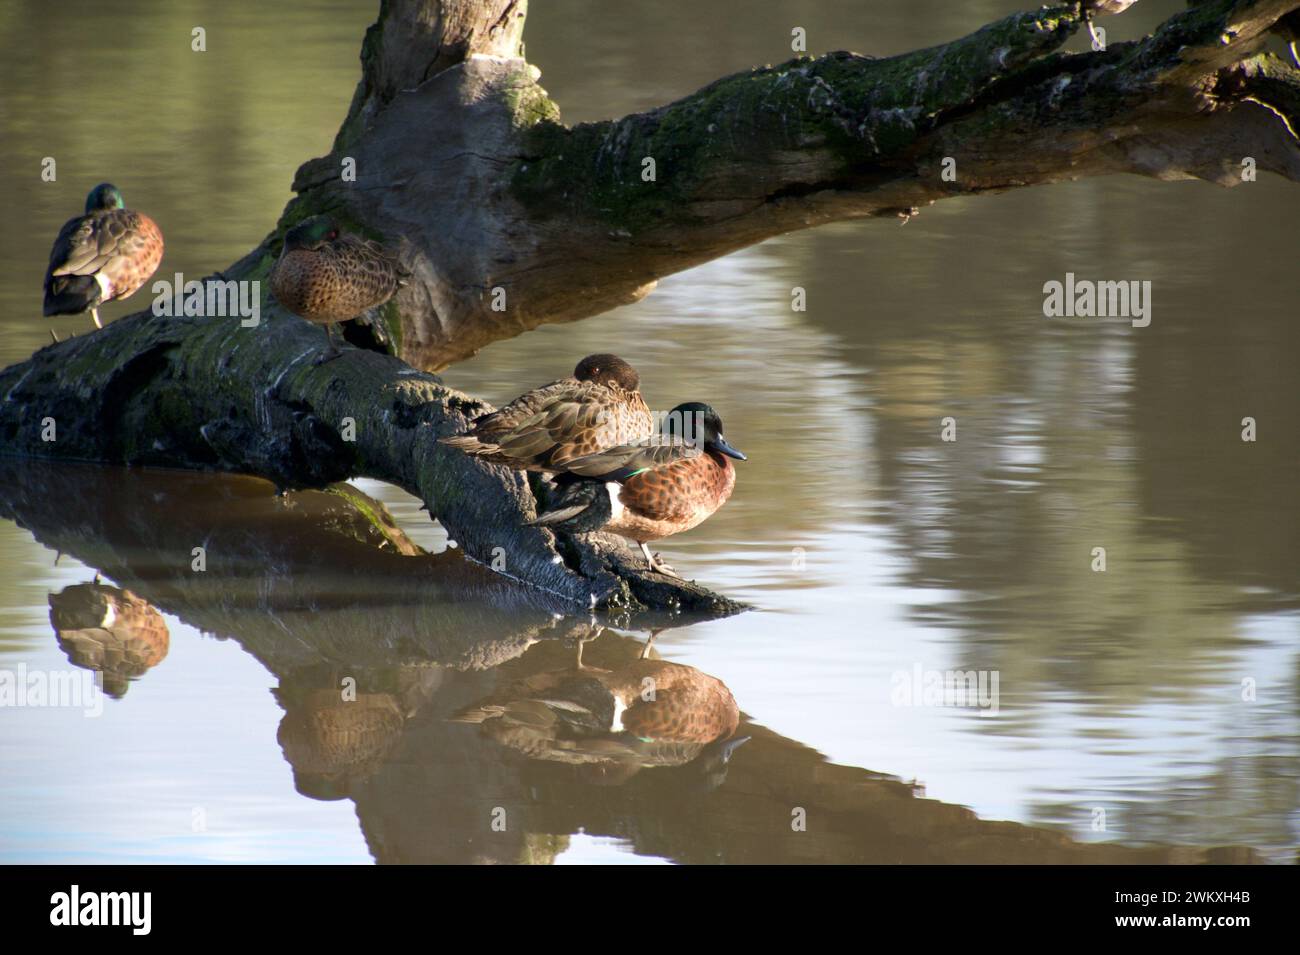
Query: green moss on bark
[838,114]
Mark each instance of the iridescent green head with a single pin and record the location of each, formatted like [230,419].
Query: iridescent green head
[698,423]
[312,233]
[104,196]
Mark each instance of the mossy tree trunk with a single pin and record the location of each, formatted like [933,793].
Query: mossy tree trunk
[461,162]
[461,154]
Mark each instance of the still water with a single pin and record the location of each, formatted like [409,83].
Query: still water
[1125,725]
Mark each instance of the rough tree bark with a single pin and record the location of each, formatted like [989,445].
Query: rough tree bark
[461,160]
[196,393]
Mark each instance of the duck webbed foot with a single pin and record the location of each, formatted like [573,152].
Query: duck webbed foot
[656,563]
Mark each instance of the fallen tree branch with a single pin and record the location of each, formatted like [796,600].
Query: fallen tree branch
[205,393]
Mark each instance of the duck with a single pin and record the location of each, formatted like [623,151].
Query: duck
[109,630]
[334,742]
[326,276]
[652,489]
[101,256]
[607,721]
[599,406]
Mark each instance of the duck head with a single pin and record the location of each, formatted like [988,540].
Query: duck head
[104,196]
[608,370]
[698,423]
[310,234]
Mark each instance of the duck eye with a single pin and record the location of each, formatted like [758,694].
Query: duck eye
[332,234]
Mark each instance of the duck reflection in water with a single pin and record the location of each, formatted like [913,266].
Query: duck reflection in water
[338,730]
[109,630]
[611,724]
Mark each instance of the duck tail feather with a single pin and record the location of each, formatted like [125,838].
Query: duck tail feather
[579,507]
[468,443]
[71,295]
[558,516]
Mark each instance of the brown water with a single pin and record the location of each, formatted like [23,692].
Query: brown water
[871,547]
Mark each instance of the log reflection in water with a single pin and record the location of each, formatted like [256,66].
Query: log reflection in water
[382,652]
[297,579]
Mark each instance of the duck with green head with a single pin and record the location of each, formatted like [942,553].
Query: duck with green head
[103,255]
[651,489]
[327,276]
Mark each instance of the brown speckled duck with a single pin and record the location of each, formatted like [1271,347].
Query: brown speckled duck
[333,743]
[598,407]
[101,256]
[651,489]
[329,276]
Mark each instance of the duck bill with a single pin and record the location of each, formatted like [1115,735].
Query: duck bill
[720,445]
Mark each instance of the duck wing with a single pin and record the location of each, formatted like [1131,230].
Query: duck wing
[583,502]
[93,243]
[628,460]
[549,427]
[67,291]
[373,274]
[119,245]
